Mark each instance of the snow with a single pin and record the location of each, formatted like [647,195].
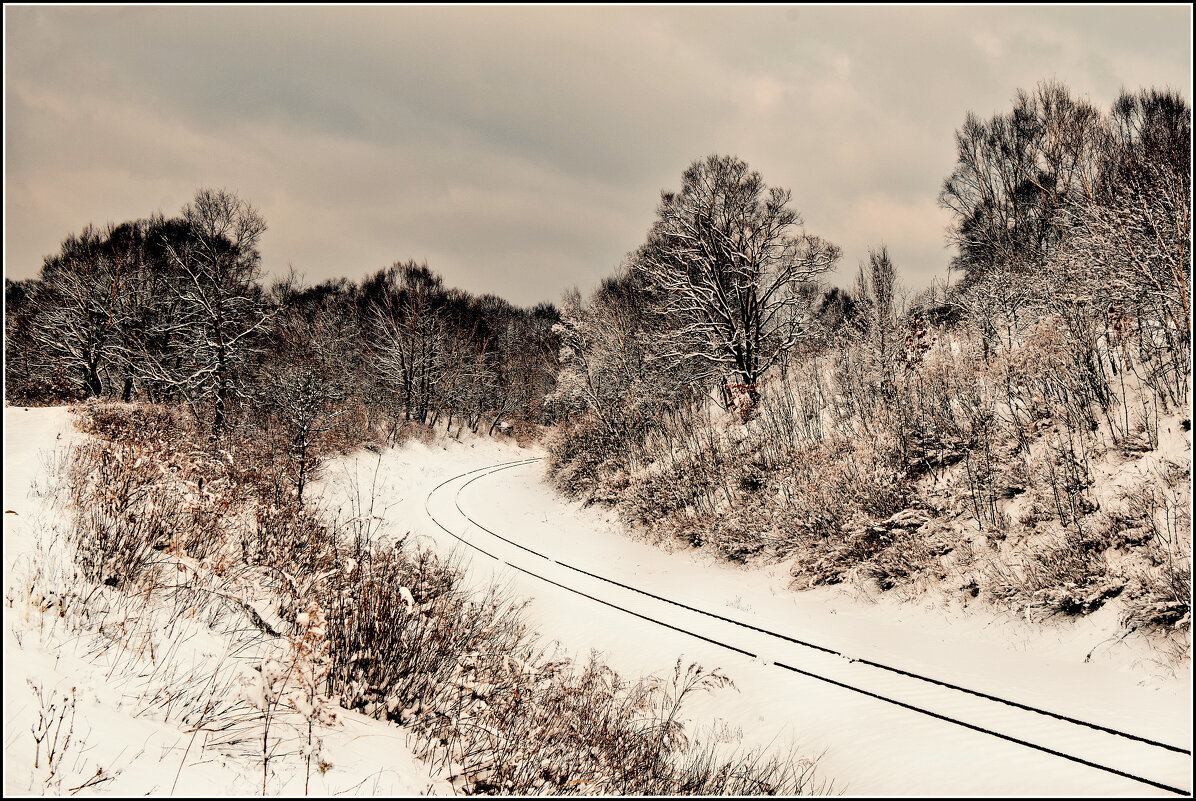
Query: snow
[127,731]
[124,725]
[865,746]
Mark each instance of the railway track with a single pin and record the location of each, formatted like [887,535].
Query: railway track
[936,697]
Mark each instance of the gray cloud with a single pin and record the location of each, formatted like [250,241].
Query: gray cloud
[521,150]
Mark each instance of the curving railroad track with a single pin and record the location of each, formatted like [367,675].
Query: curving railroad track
[1085,742]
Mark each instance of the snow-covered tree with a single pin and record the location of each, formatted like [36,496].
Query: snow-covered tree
[727,261]
[78,315]
[1127,258]
[876,290]
[610,390]
[1014,173]
[409,332]
[218,303]
[304,382]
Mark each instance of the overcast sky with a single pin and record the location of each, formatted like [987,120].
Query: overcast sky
[522,150]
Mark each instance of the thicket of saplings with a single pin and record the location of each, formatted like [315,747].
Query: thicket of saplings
[955,434]
[381,627]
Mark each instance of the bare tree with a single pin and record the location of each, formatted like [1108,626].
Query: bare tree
[91,315]
[1013,174]
[77,322]
[409,335]
[28,376]
[219,303]
[876,285]
[727,260]
[608,382]
[305,383]
[1127,258]
[516,375]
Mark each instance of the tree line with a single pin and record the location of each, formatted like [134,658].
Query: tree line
[177,310]
[1059,211]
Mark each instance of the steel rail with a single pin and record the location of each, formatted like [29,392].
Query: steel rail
[495,468]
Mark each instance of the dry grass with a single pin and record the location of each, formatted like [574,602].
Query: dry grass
[996,437]
[403,639]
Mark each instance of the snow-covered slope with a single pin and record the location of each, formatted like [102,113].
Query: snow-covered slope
[130,699]
[145,687]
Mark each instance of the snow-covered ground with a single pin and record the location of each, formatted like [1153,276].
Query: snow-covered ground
[866,746]
[122,728]
[125,732]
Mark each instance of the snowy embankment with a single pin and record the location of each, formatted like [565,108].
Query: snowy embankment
[106,693]
[867,746]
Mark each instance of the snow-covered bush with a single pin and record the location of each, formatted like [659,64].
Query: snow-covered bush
[1160,592]
[288,691]
[123,514]
[1065,574]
